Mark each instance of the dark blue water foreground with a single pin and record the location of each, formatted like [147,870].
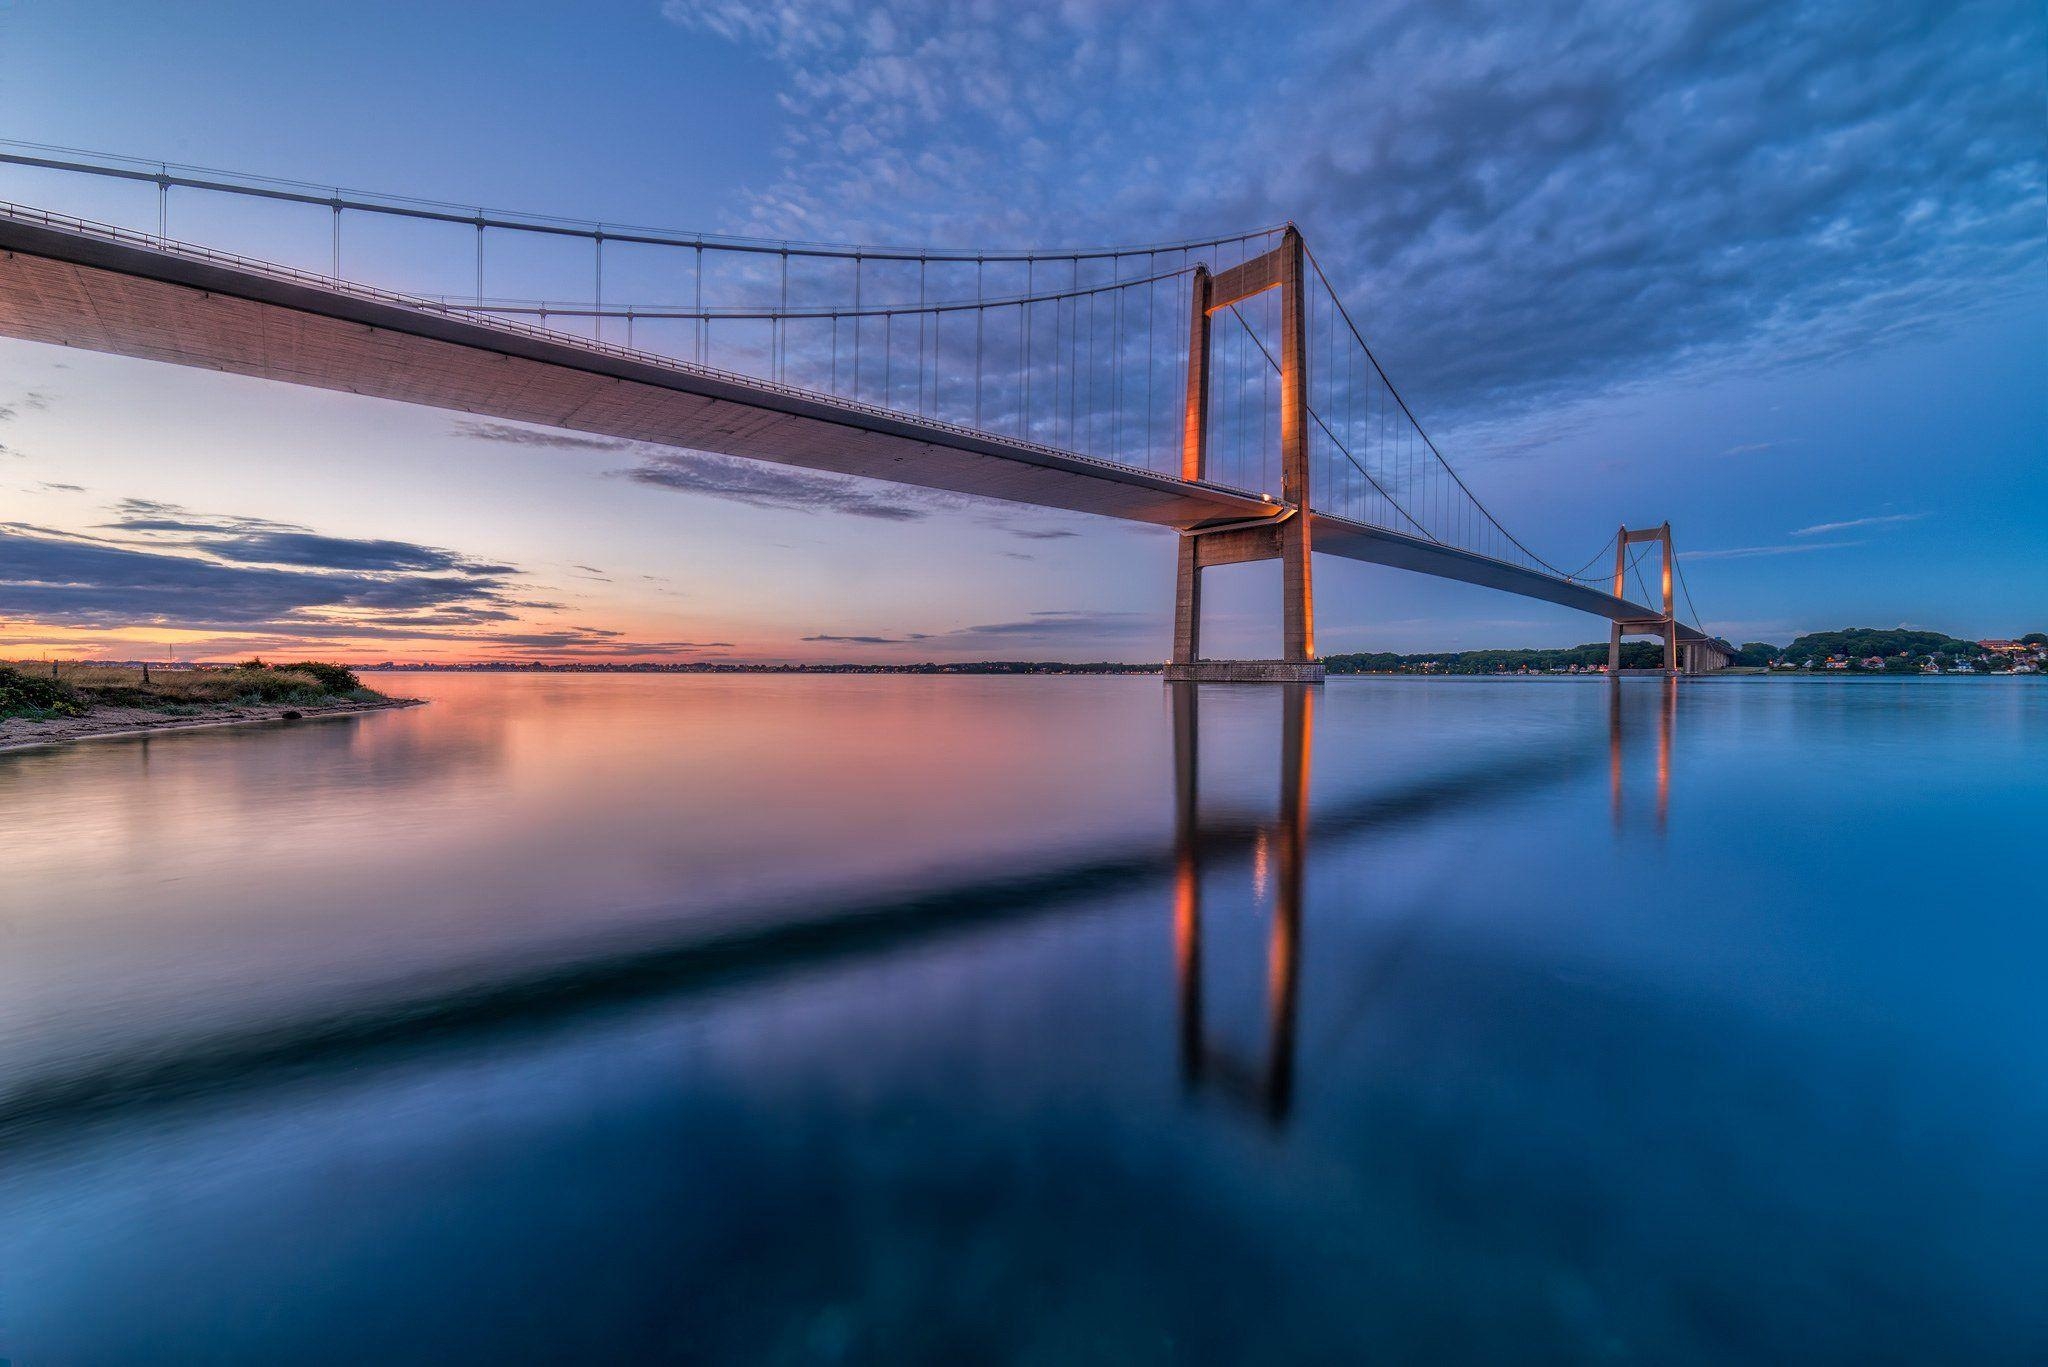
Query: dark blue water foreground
[899,1020]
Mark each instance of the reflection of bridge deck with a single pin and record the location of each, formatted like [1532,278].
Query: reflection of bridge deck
[756,946]
[74,284]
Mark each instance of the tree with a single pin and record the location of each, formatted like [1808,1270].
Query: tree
[1858,643]
[2034,638]
[1902,664]
[1757,654]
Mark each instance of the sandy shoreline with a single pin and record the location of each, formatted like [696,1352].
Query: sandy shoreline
[112,723]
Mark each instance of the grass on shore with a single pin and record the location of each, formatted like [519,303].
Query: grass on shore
[27,689]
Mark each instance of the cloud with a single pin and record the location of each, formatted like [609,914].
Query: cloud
[259,541]
[774,486]
[55,487]
[481,429]
[1049,627]
[34,400]
[1522,198]
[51,577]
[160,566]
[1043,534]
[1889,519]
[1039,629]
[1751,552]
[595,643]
[870,640]
[756,483]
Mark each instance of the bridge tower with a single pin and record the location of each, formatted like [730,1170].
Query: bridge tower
[1284,537]
[1664,625]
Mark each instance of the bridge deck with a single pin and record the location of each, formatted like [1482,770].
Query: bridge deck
[61,282]
[1376,545]
[75,284]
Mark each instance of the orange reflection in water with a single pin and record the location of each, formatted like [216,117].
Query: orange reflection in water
[1271,1087]
[1667,725]
[288,866]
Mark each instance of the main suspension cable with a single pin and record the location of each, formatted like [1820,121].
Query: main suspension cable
[1396,393]
[1391,500]
[52,157]
[1698,621]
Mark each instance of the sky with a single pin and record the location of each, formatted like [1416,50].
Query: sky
[1775,272]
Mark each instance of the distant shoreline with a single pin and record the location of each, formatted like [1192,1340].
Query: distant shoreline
[117,723]
[1053,670]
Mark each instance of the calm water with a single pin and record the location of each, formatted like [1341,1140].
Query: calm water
[604,1019]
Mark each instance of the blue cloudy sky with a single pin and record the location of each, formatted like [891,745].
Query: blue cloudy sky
[1775,272]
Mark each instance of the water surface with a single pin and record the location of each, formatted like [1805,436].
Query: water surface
[607,1018]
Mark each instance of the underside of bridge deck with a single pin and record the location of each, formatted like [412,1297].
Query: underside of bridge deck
[133,300]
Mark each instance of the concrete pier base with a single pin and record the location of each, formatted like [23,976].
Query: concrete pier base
[1246,671]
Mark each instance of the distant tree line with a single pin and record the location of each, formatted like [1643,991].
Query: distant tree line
[1634,655]
[1902,651]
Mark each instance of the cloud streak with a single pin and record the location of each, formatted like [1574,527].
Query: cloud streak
[1753,552]
[511,434]
[1887,520]
[774,486]
[1049,629]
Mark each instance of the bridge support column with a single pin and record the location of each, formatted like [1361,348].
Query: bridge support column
[1297,593]
[1285,538]
[1614,629]
[1670,612]
[1187,603]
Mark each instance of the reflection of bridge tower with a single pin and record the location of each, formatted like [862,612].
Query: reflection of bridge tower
[1667,720]
[1270,1088]
[1285,538]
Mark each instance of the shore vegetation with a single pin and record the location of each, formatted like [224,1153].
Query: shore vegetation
[37,690]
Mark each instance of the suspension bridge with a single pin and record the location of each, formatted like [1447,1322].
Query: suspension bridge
[1217,386]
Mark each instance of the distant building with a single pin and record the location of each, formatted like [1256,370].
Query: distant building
[2004,647]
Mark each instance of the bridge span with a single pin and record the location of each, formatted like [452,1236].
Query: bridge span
[77,283]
